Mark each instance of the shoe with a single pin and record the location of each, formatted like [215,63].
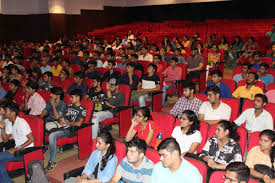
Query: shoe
[51,166]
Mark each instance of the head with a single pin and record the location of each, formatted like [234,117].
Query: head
[144,50]
[134,57]
[114,85]
[136,149]
[111,64]
[14,69]
[152,69]
[110,56]
[11,111]
[78,77]
[263,68]
[260,101]
[194,51]
[14,85]
[130,66]
[96,82]
[48,77]
[65,63]
[226,129]
[213,94]
[169,151]
[124,58]
[252,78]
[216,76]
[189,88]
[237,172]
[92,66]
[215,49]
[143,114]
[64,73]
[2,108]
[245,68]
[57,93]
[31,87]
[76,96]
[190,121]
[267,144]
[174,61]
[257,56]
[157,59]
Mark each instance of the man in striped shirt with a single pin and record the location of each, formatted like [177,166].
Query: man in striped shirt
[135,167]
[187,102]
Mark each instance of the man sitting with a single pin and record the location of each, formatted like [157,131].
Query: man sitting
[177,53]
[75,59]
[249,90]
[135,167]
[263,76]
[111,73]
[46,83]
[257,119]
[243,75]
[96,93]
[156,61]
[130,78]
[114,99]
[15,93]
[45,67]
[148,83]
[78,83]
[64,80]
[73,117]
[237,172]
[124,60]
[216,77]
[145,56]
[56,68]
[33,100]
[214,109]
[173,167]
[22,135]
[138,66]
[91,72]
[187,102]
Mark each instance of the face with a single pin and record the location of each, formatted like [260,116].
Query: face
[265,143]
[166,158]
[62,74]
[95,83]
[187,92]
[101,145]
[129,68]
[13,71]
[161,51]
[110,66]
[250,79]
[273,48]
[109,57]
[259,103]
[46,78]
[244,68]
[215,78]
[77,79]
[220,133]
[214,49]
[29,90]
[156,60]
[91,67]
[133,155]
[230,177]
[139,117]
[2,111]
[150,69]
[212,97]
[113,88]
[184,121]
[173,63]
[193,52]
[257,58]
[262,70]
[13,87]
[74,99]
[143,51]
[53,96]
[8,113]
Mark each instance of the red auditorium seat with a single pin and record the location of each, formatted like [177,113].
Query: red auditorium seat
[202,97]
[88,82]
[253,140]
[271,86]
[32,153]
[144,64]
[217,176]
[267,60]
[75,67]
[230,83]
[238,70]
[102,70]
[242,133]
[153,155]
[46,94]
[260,84]
[165,122]
[234,105]
[201,166]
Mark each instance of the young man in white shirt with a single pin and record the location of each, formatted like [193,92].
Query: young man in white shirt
[257,119]
[214,109]
[145,56]
[22,135]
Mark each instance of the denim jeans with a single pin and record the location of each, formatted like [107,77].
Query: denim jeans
[141,97]
[164,89]
[5,157]
[52,141]
[98,117]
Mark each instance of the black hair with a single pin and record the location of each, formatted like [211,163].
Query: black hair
[218,72]
[13,107]
[3,105]
[131,64]
[107,139]
[58,91]
[170,145]
[145,47]
[93,63]
[145,112]
[33,85]
[112,62]
[37,70]
[190,85]
[49,74]
[15,82]
[15,68]
[154,67]
[79,74]
[158,56]
[175,59]
[225,40]
[255,75]
[240,40]
[242,171]
[265,65]
[135,56]
[247,64]
[231,127]
[191,116]
[1,79]
[76,92]
[111,54]
[263,97]
[140,144]
[271,135]
[215,89]
[86,52]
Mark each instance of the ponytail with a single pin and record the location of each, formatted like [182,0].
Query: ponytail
[232,128]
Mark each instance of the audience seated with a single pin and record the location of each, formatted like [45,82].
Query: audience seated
[260,159]
[234,51]
[188,133]
[64,80]
[15,73]
[56,68]
[249,90]
[187,102]
[135,167]
[143,126]
[243,75]
[66,65]
[46,83]
[214,109]
[144,55]
[3,92]
[263,76]
[216,77]
[257,118]
[173,167]
[67,125]
[78,84]
[130,78]
[256,61]
[148,83]
[45,67]
[138,66]
[236,171]
[75,59]
[96,93]
[272,54]
[156,61]
[124,60]
[271,33]
[91,71]
[213,57]
[194,64]
[111,73]
[177,53]
[108,109]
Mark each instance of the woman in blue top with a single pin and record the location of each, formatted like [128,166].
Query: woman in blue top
[102,163]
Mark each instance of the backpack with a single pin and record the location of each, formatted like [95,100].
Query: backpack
[37,172]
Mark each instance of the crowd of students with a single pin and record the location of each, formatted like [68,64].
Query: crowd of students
[52,67]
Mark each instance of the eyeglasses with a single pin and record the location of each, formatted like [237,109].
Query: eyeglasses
[226,179]
[138,115]
[163,155]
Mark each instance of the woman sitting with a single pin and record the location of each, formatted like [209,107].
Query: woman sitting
[214,57]
[263,154]
[187,134]
[102,163]
[223,148]
[143,126]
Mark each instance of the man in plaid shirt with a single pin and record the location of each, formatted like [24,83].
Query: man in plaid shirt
[188,102]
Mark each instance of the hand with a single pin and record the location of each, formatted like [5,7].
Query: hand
[266,179]
[12,150]
[62,121]
[2,123]
[130,74]
[211,163]
[107,86]
[52,101]
[80,180]
[134,121]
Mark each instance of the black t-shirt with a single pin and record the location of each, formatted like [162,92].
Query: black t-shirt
[94,74]
[107,76]
[117,99]
[73,114]
[96,95]
[9,96]
[149,82]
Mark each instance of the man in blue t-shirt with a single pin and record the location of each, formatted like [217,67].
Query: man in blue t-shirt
[263,76]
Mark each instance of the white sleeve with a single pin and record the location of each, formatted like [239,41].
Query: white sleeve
[8,126]
[227,112]
[202,108]
[175,132]
[197,137]
[269,122]
[242,118]
[25,128]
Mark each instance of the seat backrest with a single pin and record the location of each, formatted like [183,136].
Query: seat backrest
[46,94]
[89,105]
[271,86]
[75,67]
[183,70]
[122,71]
[238,70]
[165,122]
[102,70]
[126,90]
[88,82]
[202,97]
[138,73]
[37,126]
[145,64]
[230,83]
[270,107]
[253,140]
[267,60]
[260,84]
[234,105]
[217,176]
[241,131]
[271,72]
[153,155]
[200,166]
[271,96]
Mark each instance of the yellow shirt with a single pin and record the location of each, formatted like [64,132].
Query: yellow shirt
[55,70]
[243,92]
[256,156]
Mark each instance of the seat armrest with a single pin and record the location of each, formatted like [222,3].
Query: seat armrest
[73,173]
[84,125]
[27,150]
[155,93]
[121,108]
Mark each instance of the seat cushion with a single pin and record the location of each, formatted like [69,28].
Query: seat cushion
[14,165]
[110,121]
[64,141]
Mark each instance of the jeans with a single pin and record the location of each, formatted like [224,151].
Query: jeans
[164,89]
[5,157]
[141,97]
[52,141]
[98,117]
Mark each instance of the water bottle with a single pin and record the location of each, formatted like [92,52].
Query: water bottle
[158,140]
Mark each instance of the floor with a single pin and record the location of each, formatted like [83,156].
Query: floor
[67,161]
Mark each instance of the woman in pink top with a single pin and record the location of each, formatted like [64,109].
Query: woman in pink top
[143,126]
